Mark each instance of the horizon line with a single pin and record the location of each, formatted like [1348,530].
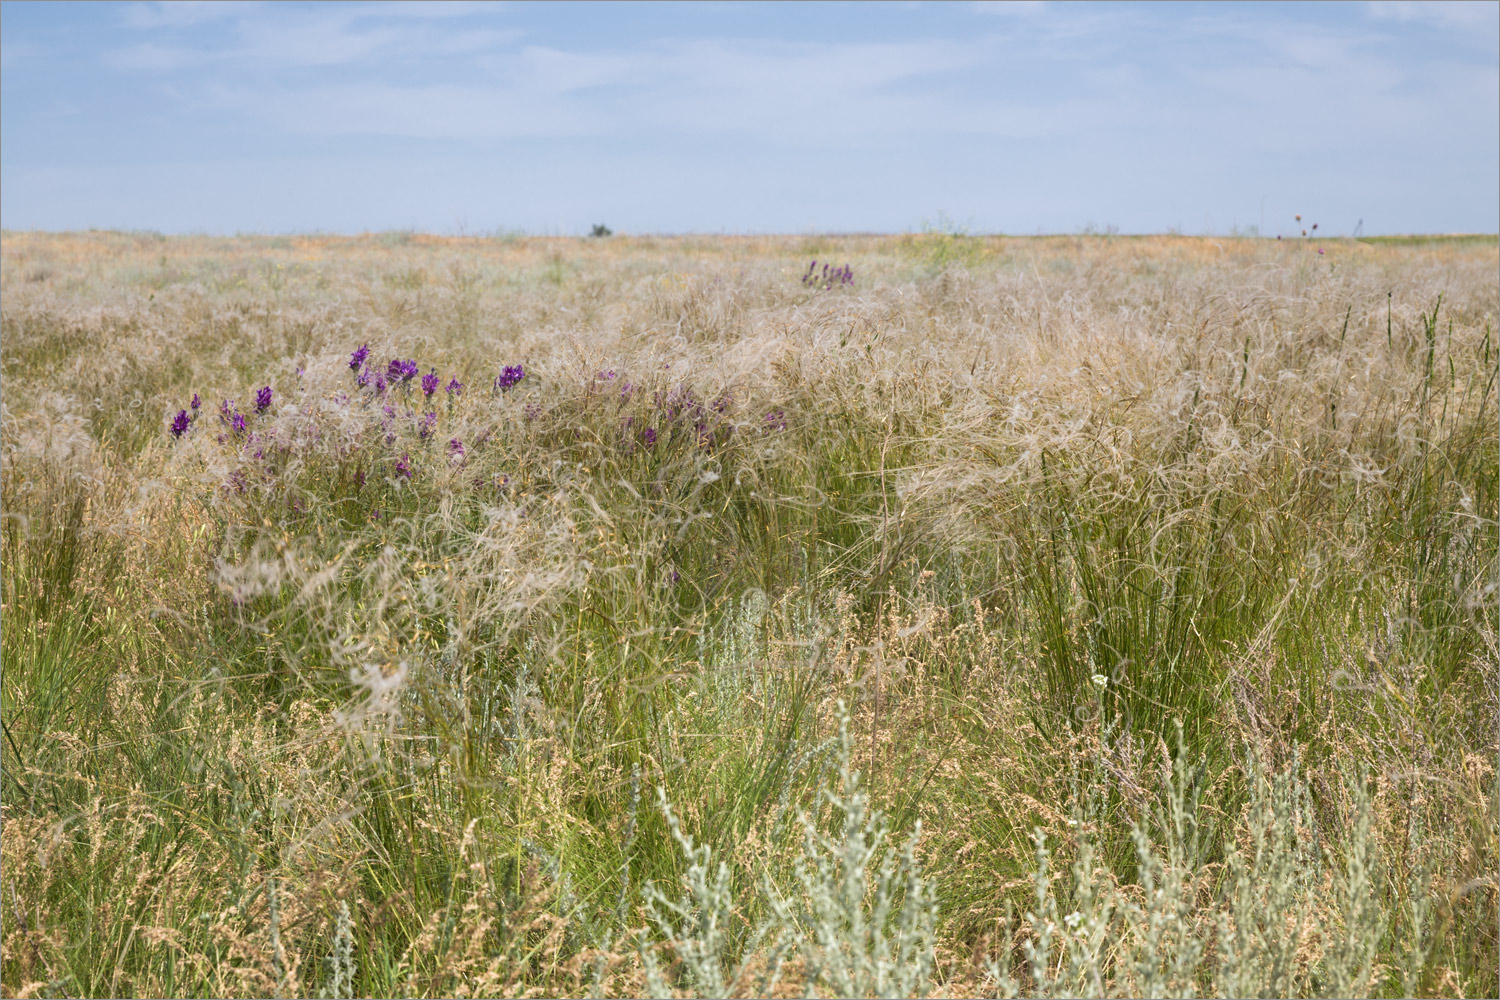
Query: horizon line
[501,233]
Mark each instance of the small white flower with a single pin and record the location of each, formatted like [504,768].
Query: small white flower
[1073,920]
[1100,679]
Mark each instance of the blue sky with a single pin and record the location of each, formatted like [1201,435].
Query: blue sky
[738,117]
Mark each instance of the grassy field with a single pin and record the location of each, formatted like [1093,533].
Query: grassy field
[1053,616]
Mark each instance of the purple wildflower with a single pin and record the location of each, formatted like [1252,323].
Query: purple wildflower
[828,277]
[403,371]
[403,466]
[454,387]
[775,421]
[648,437]
[430,383]
[238,422]
[196,403]
[263,399]
[509,377]
[379,385]
[456,451]
[426,425]
[180,423]
[357,359]
[606,376]
[532,411]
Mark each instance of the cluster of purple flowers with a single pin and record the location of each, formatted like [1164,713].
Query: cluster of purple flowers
[680,417]
[229,414]
[829,277]
[509,376]
[400,372]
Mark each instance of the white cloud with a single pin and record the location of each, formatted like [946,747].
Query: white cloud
[1464,14]
[272,37]
[153,58]
[425,10]
[185,13]
[779,91]
[1011,8]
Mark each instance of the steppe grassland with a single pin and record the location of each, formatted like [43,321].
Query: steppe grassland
[1176,557]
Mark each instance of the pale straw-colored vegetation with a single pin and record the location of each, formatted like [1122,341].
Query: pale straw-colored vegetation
[1055,617]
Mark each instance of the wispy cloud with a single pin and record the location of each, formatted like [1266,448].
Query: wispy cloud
[282,36]
[713,86]
[1280,86]
[1476,15]
[185,13]
[153,58]
[1009,8]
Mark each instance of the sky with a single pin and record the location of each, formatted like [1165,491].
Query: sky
[1019,118]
